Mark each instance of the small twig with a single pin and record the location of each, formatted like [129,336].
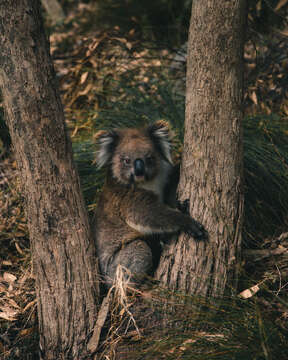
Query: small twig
[102,315]
[280,280]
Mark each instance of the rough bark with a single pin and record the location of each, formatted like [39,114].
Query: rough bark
[211,171]
[61,243]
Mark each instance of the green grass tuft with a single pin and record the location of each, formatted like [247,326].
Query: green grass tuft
[265,153]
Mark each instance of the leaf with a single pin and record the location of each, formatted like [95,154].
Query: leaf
[280,4]
[129,45]
[13,303]
[285,109]
[2,288]
[6,263]
[10,278]
[246,294]
[19,234]
[18,248]
[86,90]
[27,332]
[28,306]
[83,77]
[253,97]
[8,313]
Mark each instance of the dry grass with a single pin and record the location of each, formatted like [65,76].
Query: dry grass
[158,324]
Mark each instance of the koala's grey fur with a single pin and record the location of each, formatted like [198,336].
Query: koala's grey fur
[131,207]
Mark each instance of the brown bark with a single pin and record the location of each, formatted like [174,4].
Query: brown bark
[211,171]
[61,243]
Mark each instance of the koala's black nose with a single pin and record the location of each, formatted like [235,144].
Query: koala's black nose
[139,167]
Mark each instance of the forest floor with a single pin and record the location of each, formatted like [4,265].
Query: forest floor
[114,77]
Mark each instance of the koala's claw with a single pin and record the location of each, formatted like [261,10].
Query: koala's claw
[183,206]
[197,231]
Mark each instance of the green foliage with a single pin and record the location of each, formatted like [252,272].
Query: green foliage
[167,21]
[25,347]
[234,329]
[140,105]
[91,178]
[266,176]
[263,16]
[265,152]
[198,329]
[164,21]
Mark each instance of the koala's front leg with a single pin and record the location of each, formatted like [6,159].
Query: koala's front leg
[183,206]
[149,216]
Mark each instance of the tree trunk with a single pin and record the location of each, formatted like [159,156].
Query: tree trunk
[63,251]
[211,171]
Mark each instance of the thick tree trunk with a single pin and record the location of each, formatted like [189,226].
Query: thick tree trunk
[61,243]
[211,172]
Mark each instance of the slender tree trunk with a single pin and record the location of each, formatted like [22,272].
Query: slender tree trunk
[61,243]
[211,171]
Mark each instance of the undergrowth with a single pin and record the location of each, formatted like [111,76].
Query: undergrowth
[177,326]
[234,329]
[265,155]
[110,80]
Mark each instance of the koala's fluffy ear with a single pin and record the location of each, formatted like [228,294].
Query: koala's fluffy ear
[106,142]
[161,135]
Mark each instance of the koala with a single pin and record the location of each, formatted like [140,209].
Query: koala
[132,208]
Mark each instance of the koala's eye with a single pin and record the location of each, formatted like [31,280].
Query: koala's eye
[126,161]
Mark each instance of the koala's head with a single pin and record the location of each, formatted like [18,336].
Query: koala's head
[135,155]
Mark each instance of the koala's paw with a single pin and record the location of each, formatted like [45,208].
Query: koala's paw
[196,230]
[183,206]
